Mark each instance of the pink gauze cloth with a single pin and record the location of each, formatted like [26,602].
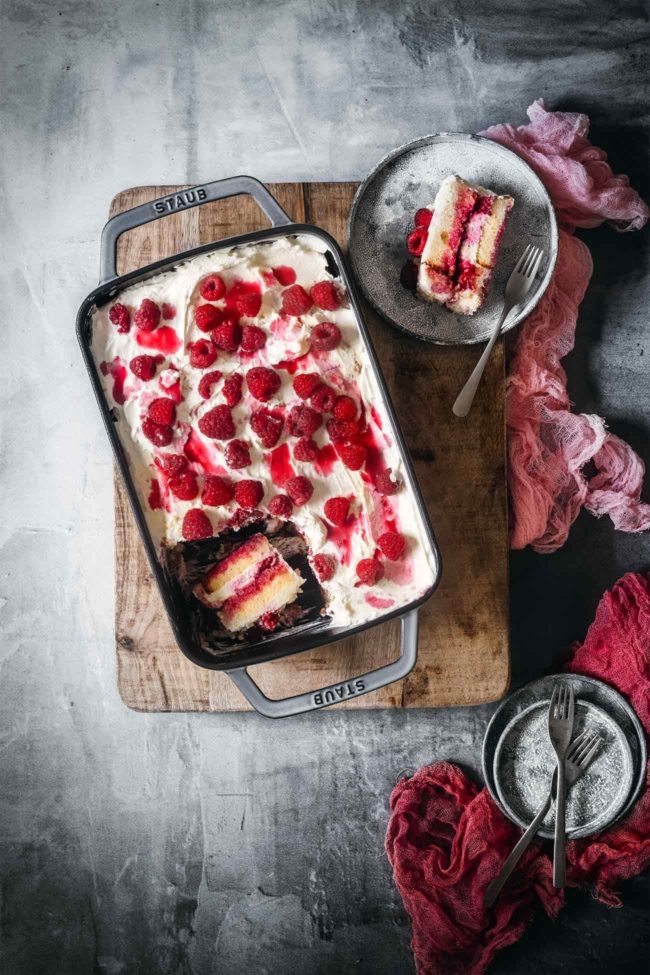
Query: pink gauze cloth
[548,445]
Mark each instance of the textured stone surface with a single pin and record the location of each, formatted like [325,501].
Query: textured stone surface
[194,844]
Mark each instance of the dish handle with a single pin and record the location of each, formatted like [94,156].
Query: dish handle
[334,693]
[194,196]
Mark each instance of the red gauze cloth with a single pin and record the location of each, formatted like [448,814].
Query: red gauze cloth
[447,839]
[548,445]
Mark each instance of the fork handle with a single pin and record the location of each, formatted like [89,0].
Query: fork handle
[559,847]
[496,886]
[466,396]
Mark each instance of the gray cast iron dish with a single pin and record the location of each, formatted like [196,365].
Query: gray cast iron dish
[524,762]
[407,179]
[285,643]
[585,689]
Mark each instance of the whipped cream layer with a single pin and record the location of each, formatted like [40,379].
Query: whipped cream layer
[287,350]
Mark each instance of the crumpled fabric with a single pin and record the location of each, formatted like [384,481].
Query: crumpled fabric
[447,839]
[548,445]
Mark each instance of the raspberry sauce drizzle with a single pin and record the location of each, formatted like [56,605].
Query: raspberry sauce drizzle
[280,465]
[119,375]
[163,339]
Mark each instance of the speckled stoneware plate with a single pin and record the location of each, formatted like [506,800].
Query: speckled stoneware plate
[408,179]
[524,762]
[587,692]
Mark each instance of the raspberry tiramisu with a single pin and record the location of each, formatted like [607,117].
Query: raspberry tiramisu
[257,440]
[457,240]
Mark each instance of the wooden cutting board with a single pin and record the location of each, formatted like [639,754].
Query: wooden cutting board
[463,651]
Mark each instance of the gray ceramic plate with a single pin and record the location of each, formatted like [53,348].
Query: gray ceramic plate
[407,179]
[524,762]
[586,690]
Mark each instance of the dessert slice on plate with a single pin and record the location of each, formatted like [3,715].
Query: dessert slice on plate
[462,245]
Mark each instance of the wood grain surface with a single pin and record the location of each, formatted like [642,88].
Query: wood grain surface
[463,652]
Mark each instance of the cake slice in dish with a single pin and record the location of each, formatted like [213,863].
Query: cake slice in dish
[462,245]
[253,580]
[453,205]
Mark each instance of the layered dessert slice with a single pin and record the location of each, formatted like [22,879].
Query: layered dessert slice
[254,580]
[462,245]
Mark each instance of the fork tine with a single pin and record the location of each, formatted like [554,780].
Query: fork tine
[533,263]
[534,268]
[520,263]
[577,744]
[561,703]
[584,747]
[553,702]
[592,751]
[529,261]
[571,704]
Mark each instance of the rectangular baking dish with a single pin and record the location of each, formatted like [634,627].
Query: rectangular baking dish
[287,642]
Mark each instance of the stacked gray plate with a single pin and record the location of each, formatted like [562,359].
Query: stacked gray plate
[518,759]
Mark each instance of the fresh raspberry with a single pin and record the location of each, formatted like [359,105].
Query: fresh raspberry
[370,571]
[281,506]
[267,426]
[159,434]
[217,423]
[162,410]
[207,317]
[237,454]
[384,484]
[241,517]
[263,383]
[202,354]
[284,275]
[196,525]
[325,296]
[409,276]
[232,389]
[306,450]
[227,335]
[269,622]
[302,421]
[207,382]
[392,545]
[248,304]
[172,463]
[353,455]
[323,399]
[184,486]
[248,494]
[423,217]
[337,509]
[305,383]
[344,408]
[143,366]
[325,336]
[147,316]
[212,288]
[217,491]
[120,317]
[416,240]
[295,301]
[168,311]
[343,431]
[252,338]
[324,567]
[299,489]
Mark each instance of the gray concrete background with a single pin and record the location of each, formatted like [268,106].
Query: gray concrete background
[196,844]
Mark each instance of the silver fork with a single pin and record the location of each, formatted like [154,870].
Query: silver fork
[561,713]
[518,286]
[578,758]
